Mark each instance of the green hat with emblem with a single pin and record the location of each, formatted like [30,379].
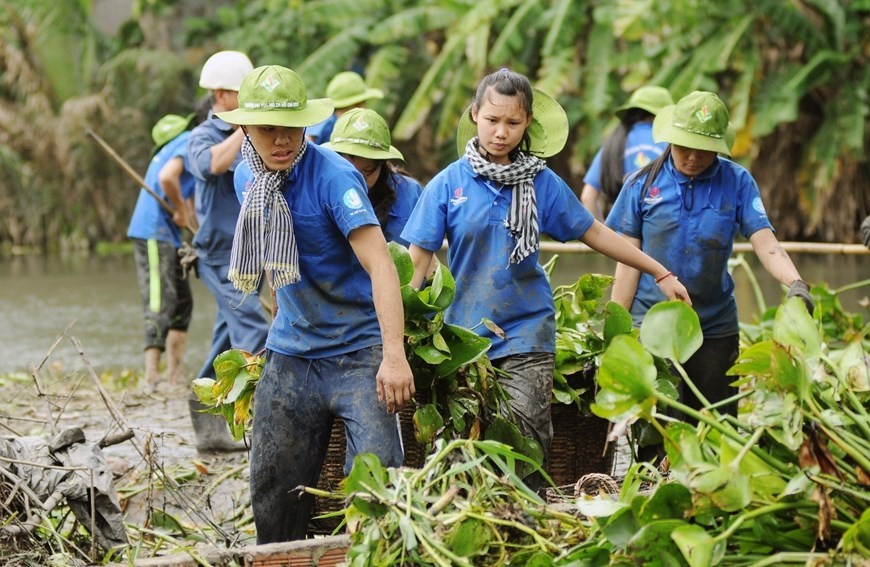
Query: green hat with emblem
[699,121]
[363,132]
[650,98]
[276,96]
[548,131]
[348,88]
[167,128]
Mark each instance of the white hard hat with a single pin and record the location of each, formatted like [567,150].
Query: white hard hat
[225,70]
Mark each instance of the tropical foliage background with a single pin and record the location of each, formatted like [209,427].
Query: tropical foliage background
[794,73]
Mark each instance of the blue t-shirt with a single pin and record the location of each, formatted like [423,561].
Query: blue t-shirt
[320,133]
[149,220]
[408,191]
[331,310]
[640,149]
[217,208]
[689,226]
[470,211]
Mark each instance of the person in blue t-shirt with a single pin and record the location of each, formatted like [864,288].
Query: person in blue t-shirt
[165,291]
[213,153]
[336,347]
[347,90]
[684,209]
[625,150]
[493,204]
[363,138]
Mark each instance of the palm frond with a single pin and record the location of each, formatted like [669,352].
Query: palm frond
[335,55]
[412,23]
[558,35]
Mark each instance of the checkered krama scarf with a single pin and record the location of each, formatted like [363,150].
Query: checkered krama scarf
[264,238]
[522,219]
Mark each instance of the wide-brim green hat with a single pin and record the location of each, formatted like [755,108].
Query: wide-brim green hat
[548,131]
[167,128]
[348,88]
[699,121]
[650,98]
[276,96]
[363,132]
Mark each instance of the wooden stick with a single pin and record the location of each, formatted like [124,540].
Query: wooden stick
[739,247]
[110,151]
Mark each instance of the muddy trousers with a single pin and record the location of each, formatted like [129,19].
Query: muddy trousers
[295,404]
[167,303]
[531,387]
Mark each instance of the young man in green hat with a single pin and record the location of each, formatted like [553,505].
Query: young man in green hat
[628,148]
[336,346]
[684,209]
[166,298]
[346,90]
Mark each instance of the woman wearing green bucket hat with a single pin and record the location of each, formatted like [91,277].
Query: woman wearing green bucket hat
[684,209]
[493,204]
[626,149]
[362,137]
[335,348]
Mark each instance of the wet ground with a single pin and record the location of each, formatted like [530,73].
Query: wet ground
[199,497]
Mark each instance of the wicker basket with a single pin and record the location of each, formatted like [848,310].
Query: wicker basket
[333,469]
[579,445]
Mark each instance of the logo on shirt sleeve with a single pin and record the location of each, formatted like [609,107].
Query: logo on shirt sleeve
[758,206]
[351,199]
[458,197]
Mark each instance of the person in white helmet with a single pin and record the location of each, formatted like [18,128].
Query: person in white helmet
[213,154]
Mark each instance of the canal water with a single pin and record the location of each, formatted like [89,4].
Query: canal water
[96,298]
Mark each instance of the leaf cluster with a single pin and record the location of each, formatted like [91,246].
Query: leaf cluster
[466,506]
[787,477]
[231,392]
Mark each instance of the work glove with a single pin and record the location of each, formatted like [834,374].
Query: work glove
[865,231]
[187,257]
[799,288]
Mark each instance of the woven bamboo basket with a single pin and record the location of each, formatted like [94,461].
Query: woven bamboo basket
[579,445]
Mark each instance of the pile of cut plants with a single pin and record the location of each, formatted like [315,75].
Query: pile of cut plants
[784,482]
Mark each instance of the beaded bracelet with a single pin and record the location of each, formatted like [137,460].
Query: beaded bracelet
[664,276]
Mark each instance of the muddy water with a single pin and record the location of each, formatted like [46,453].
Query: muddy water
[41,296]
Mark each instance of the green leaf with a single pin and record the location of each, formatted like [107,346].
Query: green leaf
[431,355]
[427,423]
[402,260]
[670,501]
[617,321]
[166,521]
[695,544]
[443,288]
[794,327]
[227,364]
[466,346]
[627,367]
[202,388]
[239,385]
[671,330]
[470,537]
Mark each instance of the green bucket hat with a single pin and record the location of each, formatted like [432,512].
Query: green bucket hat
[649,98]
[348,88]
[363,132]
[276,96]
[167,128]
[548,131]
[698,121]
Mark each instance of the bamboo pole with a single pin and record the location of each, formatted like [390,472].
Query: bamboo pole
[739,247]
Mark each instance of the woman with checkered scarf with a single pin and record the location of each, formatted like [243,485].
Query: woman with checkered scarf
[492,205]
